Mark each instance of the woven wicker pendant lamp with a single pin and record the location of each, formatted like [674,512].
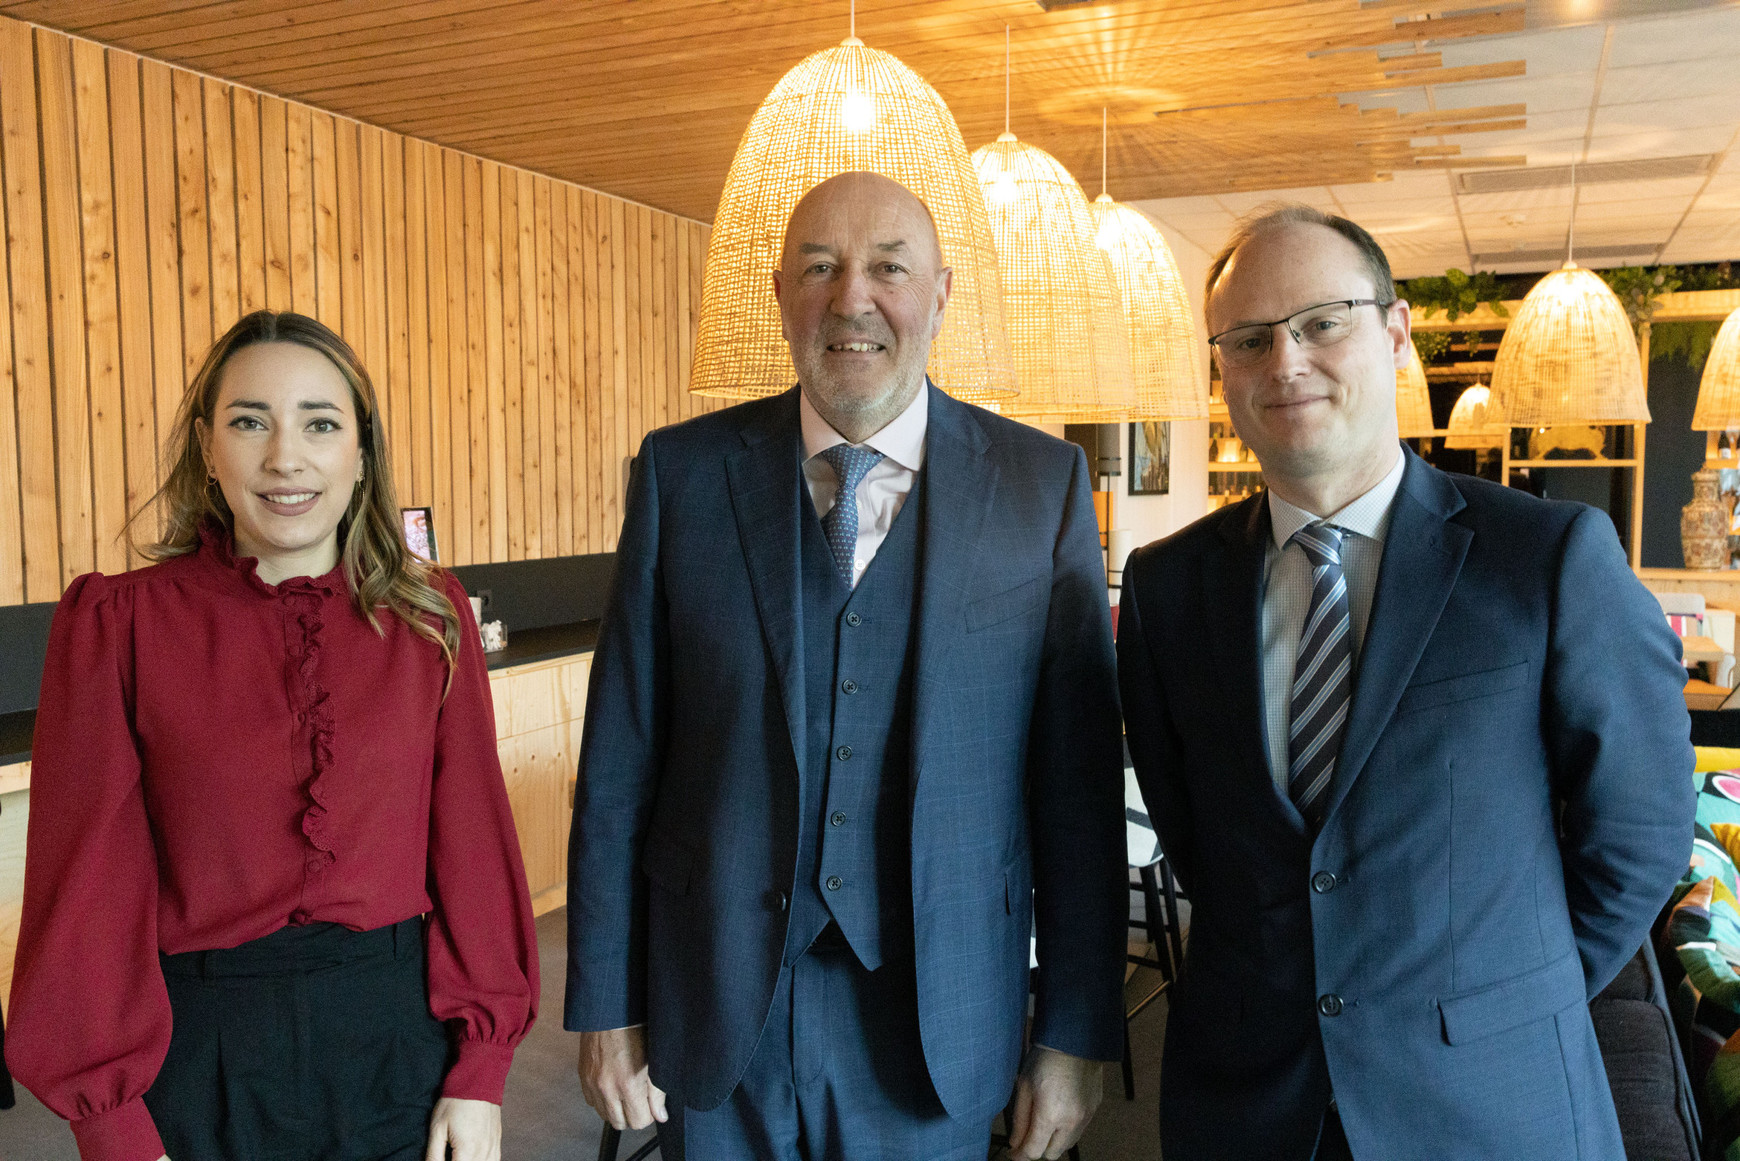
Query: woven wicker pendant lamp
[1570,355]
[1719,391]
[1066,319]
[845,109]
[1413,401]
[1475,421]
[1164,363]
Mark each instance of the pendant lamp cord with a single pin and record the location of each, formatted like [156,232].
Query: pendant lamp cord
[1571,231]
[1102,151]
[853,9]
[1005,78]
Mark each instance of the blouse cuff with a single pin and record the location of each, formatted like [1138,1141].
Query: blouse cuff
[480,1073]
[124,1133]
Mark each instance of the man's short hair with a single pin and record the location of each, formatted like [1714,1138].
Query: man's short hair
[1267,217]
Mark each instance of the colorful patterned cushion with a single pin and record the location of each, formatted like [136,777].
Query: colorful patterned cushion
[1703,934]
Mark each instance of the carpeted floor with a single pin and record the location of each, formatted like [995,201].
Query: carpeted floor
[544,1118]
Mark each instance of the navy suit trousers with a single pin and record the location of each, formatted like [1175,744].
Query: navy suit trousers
[838,1075]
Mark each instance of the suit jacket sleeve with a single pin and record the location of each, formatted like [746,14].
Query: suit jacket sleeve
[1616,729]
[620,760]
[1075,801]
[1155,748]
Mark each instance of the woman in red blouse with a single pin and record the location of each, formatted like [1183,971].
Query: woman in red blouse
[273,904]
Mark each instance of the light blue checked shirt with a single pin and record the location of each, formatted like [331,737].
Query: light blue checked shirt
[1287,595]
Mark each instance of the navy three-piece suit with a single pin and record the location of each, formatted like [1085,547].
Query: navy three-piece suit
[1511,805]
[925,765]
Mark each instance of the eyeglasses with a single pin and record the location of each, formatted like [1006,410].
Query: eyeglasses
[1322,325]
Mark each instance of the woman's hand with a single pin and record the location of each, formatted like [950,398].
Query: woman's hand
[472,1129]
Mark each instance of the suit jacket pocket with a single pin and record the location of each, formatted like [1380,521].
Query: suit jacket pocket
[1006,605]
[1463,687]
[667,863]
[1534,995]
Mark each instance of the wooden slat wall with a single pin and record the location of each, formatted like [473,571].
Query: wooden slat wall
[523,333]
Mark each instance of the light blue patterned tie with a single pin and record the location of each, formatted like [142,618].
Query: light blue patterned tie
[841,523]
[1322,676]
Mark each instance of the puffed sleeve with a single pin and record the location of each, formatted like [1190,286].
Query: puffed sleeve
[90,1019]
[483,949]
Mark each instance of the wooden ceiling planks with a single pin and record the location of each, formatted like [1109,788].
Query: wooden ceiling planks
[647,100]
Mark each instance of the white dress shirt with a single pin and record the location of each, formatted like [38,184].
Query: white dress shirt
[1287,595]
[884,488]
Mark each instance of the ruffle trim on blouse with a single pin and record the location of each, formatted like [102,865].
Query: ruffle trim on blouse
[316,819]
[221,544]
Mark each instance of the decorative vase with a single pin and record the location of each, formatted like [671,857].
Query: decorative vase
[1704,524]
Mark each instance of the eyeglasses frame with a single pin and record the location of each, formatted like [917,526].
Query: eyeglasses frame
[1350,303]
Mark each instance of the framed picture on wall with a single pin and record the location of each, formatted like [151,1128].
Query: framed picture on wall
[1150,459]
[420,531]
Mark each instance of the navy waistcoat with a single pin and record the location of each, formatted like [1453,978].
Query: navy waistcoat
[855,839]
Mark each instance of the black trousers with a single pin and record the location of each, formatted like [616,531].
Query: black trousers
[311,1044]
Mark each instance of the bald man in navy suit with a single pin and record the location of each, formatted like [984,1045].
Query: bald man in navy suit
[852,736]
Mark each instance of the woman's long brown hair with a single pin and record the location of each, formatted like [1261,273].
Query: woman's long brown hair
[379,568]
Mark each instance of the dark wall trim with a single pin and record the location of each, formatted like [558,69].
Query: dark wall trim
[23,647]
[536,594]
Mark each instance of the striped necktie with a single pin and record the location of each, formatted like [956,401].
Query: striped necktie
[1322,676]
[841,523]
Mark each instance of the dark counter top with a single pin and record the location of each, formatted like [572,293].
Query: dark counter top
[15,734]
[524,647]
[528,645]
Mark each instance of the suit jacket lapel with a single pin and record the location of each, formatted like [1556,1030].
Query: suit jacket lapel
[960,488]
[766,491]
[1232,595]
[1423,555]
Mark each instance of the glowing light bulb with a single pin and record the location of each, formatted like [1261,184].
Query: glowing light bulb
[858,112]
[1005,190]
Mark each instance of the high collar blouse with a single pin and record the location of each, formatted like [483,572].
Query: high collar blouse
[217,757]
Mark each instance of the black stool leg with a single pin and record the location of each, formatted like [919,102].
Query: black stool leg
[1129,1065]
[608,1143]
[1174,929]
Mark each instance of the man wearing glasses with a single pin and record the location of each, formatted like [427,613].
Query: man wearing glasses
[1415,745]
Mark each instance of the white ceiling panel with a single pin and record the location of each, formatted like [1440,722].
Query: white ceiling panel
[1433,225]
[1709,78]
[1541,94]
[1676,39]
[1668,140]
[1403,211]
[1723,193]
[1524,201]
[1714,119]
[1705,238]
[1550,53]
[1667,190]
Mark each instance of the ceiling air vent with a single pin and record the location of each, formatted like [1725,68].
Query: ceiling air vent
[1555,255]
[1481,181]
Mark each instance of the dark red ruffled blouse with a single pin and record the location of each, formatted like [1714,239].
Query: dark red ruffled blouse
[217,757]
